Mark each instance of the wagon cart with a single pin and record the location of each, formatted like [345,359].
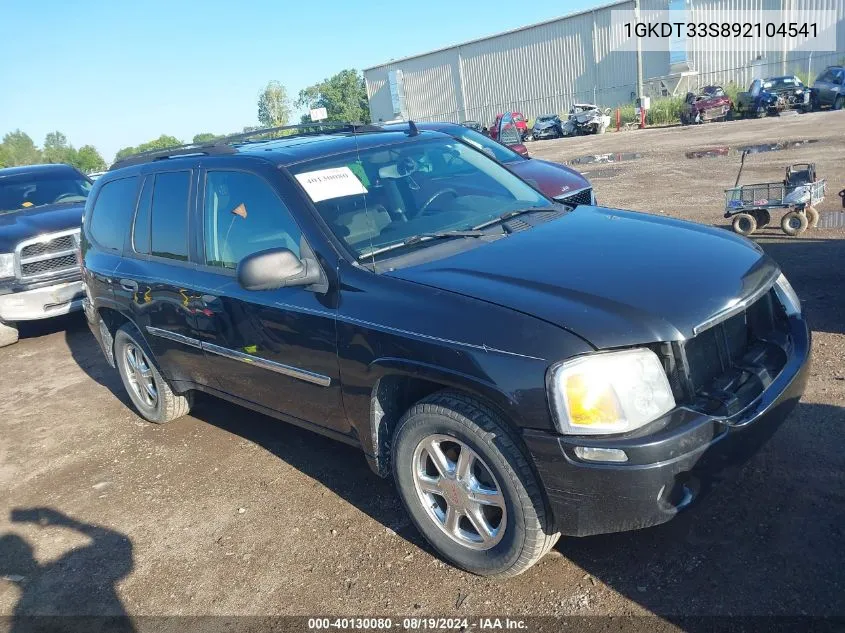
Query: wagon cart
[797,195]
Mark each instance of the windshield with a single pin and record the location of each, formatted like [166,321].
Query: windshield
[779,83]
[488,146]
[35,189]
[384,195]
[546,117]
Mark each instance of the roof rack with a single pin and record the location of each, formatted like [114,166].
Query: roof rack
[224,145]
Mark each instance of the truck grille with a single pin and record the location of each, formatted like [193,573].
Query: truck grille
[584,196]
[740,355]
[52,255]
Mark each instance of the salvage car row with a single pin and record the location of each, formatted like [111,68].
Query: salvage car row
[769,96]
[438,301]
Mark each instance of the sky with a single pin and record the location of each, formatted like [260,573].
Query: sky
[121,72]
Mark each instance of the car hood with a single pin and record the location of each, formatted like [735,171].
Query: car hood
[16,226]
[553,179]
[614,278]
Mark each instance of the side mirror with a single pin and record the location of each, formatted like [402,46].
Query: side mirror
[520,149]
[277,268]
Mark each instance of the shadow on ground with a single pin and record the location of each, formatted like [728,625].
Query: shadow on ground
[768,542]
[82,582]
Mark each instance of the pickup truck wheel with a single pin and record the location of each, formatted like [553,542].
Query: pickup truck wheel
[812,217]
[469,487]
[744,223]
[147,388]
[794,223]
[8,334]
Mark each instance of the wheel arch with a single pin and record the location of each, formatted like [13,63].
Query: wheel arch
[402,384]
[109,321]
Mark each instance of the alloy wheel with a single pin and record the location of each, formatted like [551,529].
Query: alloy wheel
[140,374]
[459,492]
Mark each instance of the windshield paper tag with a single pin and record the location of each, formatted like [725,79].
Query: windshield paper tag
[325,184]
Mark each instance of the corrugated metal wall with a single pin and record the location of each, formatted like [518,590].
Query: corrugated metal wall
[547,67]
[741,66]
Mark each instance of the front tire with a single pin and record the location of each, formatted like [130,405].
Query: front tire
[8,334]
[147,388]
[469,487]
[839,103]
[812,217]
[744,224]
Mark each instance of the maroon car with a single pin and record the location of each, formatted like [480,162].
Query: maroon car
[711,104]
[517,118]
[555,180]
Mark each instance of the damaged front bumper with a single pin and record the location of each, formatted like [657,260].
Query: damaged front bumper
[668,469]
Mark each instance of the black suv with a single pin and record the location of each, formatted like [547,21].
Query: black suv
[522,368]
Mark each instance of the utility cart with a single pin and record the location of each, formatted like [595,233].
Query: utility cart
[798,195]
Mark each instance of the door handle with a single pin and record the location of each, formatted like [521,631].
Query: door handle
[129,285]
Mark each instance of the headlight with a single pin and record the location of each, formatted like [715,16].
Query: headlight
[788,298]
[609,393]
[7,265]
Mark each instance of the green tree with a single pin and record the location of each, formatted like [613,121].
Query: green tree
[18,148]
[344,96]
[162,142]
[205,137]
[124,153]
[88,159]
[57,149]
[273,105]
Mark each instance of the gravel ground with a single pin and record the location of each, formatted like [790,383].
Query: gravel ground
[230,512]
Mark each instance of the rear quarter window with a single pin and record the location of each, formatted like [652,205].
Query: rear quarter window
[112,213]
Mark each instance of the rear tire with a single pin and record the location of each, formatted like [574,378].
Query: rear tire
[8,334]
[147,388]
[812,217]
[794,223]
[744,224]
[457,430]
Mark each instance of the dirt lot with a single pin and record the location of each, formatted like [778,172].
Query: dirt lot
[229,512]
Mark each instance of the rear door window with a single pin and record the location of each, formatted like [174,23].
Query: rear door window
[169,221]
[243,215]
[112,213]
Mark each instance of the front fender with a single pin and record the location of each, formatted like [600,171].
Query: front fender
[399,382]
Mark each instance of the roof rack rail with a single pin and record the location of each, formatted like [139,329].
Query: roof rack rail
[305,129]
[223,145]
[190,149]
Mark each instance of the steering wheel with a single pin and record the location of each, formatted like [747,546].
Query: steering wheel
[434,197]
[66,195]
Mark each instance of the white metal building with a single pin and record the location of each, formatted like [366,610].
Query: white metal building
[547,67]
